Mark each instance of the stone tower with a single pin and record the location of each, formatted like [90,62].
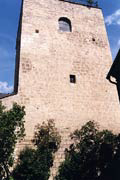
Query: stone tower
[62,61]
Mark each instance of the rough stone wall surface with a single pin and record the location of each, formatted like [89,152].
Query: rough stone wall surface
[48,58]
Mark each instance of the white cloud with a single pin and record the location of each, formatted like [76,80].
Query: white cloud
[5,88]
[118,42]
[113,18]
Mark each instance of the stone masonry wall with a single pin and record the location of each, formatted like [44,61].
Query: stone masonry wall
[48,58]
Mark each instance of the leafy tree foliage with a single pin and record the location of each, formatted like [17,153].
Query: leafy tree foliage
[94,155]
[11,130]
[90,2]
[34,164]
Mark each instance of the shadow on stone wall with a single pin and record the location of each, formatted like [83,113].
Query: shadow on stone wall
[18,44]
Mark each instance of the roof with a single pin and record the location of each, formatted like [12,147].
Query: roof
[115,68]
[2,95]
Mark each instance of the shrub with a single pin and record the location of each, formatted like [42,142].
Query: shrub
[11,130]
[94,155]
[35,164]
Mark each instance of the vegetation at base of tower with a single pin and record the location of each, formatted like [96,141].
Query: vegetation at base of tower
[11,130]
[94,155]
[35,164]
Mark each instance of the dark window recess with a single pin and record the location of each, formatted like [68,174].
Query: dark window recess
[72,78]
[37,31]
[65,24]
[93,39]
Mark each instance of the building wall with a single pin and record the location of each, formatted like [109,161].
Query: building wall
[48,58]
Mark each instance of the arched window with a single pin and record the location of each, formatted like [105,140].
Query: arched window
[65,24]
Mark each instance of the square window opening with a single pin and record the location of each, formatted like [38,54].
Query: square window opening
[37,31]
[72,78]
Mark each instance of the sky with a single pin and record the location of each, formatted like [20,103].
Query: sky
[9,17]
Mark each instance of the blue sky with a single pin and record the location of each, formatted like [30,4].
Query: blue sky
[9,16]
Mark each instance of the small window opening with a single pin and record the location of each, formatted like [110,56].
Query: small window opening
[93,39]
[37,31]
[72,78]
[65,24]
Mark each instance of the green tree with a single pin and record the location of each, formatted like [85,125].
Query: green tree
[94,155]
[11,130]
[90,2]
[35,164]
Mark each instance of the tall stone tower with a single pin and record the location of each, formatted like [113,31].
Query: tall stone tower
[62,60]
